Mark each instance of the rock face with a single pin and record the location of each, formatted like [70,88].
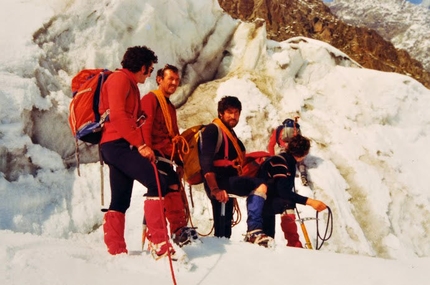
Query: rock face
[313,19]
[404,24]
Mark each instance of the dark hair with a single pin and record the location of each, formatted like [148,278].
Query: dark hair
[229,102]
[160,72]
[299,146]
[136,57]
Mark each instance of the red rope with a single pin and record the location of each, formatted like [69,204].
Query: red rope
[160,196]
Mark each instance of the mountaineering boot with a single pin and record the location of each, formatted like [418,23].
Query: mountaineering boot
[255,233]
[159,250]
[113,228]
[159,244]
[176,215]
[260,238]
[185,235]
[289,227]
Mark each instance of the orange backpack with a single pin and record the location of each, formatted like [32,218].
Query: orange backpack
[84,118]
[192,169]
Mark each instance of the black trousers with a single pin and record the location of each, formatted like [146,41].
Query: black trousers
[126,165]
[273,206]
[240,186]
[166,169]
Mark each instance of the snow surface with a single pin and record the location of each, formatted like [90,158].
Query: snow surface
[369,161]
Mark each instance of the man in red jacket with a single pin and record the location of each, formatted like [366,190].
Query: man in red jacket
[124,150]
[161,134]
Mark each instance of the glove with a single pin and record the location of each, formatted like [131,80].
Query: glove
[316,204]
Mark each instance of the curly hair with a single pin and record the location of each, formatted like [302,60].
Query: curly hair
[299,146]
[136,57]
[229,102]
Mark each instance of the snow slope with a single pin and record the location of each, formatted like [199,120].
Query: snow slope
[369,132]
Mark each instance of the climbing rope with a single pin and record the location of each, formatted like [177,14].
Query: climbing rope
[160,196]
[236,211]
[328,232]
[237,215]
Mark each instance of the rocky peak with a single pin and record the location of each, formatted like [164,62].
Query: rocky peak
[400,22]
[313,19]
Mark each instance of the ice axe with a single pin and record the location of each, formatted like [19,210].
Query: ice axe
[305,232]
[222,215]
[222,220]
[144,227]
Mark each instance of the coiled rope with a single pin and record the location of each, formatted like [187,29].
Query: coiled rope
[328,232]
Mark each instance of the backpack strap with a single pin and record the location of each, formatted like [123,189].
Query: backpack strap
[222,162]
[221,136]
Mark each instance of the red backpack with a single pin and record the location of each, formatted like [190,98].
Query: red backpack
[253,161]
[84,118]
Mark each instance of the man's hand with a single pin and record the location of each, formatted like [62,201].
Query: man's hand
[220,195]
[147,152]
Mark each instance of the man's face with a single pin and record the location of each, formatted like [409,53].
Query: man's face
[144,73]
[169,83]
[230,117]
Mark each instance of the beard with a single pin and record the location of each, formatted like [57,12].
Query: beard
[231,123]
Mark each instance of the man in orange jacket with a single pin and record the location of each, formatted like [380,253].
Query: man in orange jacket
[124,150]
[161,134]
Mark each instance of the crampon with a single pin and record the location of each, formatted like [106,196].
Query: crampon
[260,238]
